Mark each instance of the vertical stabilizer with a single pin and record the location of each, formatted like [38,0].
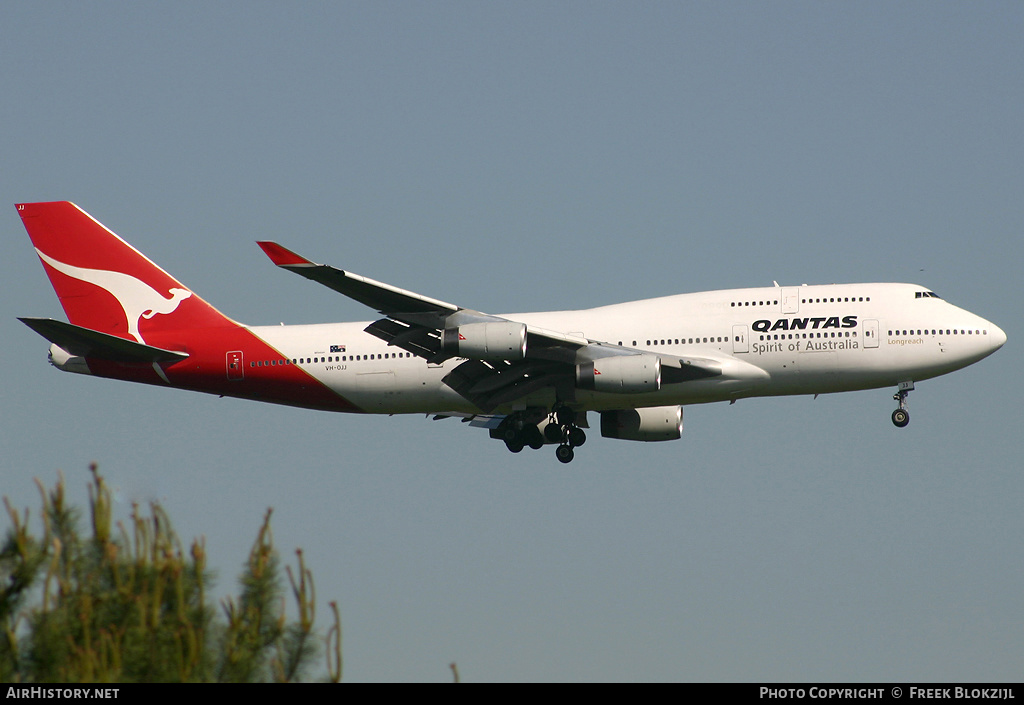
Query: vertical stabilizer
[104,283]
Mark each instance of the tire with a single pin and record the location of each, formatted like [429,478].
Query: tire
[900,418]
[564,454]
[577,437]
[533,437]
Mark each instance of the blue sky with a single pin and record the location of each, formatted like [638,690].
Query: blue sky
[534,156]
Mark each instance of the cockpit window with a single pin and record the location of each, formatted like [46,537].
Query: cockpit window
[926,295]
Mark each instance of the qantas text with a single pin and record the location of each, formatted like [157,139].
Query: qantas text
[764,326]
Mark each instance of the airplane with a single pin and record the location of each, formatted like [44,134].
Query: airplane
[529,378]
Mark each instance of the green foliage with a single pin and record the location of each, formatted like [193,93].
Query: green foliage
[128,604]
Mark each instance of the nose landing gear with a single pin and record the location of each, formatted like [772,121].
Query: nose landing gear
[901,417]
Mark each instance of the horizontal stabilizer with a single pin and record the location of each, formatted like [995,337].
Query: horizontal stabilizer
[85,342]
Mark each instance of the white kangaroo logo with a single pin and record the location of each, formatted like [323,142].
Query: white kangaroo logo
[137,298]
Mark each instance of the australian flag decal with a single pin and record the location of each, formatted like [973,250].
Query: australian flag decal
[337,348]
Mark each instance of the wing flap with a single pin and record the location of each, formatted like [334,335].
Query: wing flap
[489,385]
[423,342]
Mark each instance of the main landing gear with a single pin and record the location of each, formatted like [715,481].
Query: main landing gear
[901,417]
[517,435]
[565,431]
[522,429]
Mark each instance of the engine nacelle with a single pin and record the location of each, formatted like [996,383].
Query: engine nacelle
[499,340]
[656,423]
[621,374]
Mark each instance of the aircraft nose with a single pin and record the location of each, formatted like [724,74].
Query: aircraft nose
[996,337]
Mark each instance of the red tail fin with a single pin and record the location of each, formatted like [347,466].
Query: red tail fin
[104,283]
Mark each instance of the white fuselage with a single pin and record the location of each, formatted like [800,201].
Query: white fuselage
[768,342]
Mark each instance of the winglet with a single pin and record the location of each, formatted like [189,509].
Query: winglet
[283,257]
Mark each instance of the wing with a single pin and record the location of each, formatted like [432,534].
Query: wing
[505,359]
[414,322]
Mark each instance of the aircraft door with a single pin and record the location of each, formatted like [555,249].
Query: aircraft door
[790,299]
[739,339]
[234,365]
[870,333]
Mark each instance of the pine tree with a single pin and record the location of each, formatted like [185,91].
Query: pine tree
[129,604]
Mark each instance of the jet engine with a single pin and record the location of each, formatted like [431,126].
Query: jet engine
[500,340]
[656,423]
[621,374]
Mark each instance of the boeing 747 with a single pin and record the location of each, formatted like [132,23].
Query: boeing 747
[530,378]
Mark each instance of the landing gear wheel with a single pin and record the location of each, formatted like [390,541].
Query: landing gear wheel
[576,436]
[900,418]
[564,453]
[533,437]
[553,433]
[515,445]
